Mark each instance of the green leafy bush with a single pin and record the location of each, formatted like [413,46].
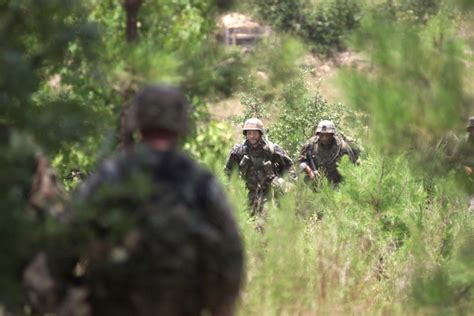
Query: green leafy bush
[412,101]
[411,11]
[286,15]
[299,112]
[321,24]
[326,25]
[448,287]
[34,45]
[212,142]
[351,249]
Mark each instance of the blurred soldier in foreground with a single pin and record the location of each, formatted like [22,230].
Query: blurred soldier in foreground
[153,232]
[464,156]
[30,193]
[321,153]
[261,164]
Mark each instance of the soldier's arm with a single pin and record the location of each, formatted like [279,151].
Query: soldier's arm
[108,172]
[233,160]
[302,157]
[305,164]
[347,150]
[460,158]
[356,151]
[285,162]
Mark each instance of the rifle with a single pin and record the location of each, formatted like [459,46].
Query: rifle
[312,165]
[309,157]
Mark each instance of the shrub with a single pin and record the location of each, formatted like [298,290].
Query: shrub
[300,111]
[411,11]
[326,25]
[286,15]
[322,25]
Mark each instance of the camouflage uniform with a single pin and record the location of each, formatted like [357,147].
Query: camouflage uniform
[464,152]
[324,158]
[30,194]
[464,156]
[152,230]
[260,167]
[187,255]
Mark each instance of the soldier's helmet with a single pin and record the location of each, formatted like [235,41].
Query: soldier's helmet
[326,126]
[470,124]
[253,124]
[162,107]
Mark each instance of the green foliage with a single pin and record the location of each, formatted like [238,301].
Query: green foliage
[448,289]
[286,15]
[412,101]
[387,236]
[16,226]
[321,24]
[32,45]
[174,46]
[465,4]
[64,77]
[211,143]
[300,111]
[411,11]
[326,25]
[279,59]
[351,249]
[297,112]
[254,102]
[276,63]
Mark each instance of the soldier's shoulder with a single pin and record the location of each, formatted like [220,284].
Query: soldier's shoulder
[238,148]
[463,145]
[277,149]
[312,140]
[268,145]
[199,171]
[346,141]
[111,166]
[341,140]
[464,140]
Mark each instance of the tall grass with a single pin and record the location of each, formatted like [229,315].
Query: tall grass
[373,246]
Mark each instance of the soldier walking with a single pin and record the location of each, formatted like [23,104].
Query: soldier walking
[261,163]
[321,153]
[464,156]
[153,232]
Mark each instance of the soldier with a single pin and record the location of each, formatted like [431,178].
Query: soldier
[321,153]
[155,233]
[30,195]
[260,162]
[464,155]
[446,146]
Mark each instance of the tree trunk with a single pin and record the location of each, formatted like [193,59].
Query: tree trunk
[126,131]
[132,7]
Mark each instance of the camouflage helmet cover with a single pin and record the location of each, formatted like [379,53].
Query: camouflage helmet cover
[470,124]
[162,107]
[326,126]
[253,124]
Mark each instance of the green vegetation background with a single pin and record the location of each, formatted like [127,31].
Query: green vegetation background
[395,238]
